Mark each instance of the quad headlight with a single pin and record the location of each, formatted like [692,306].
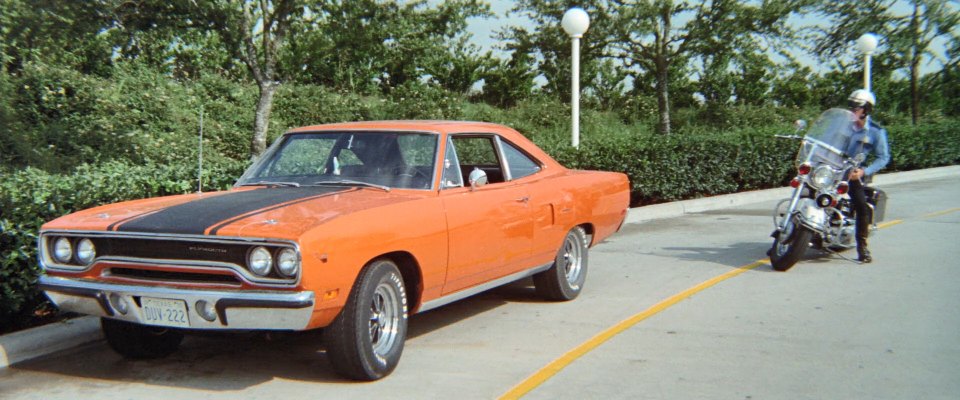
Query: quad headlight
[71,251]
[86,251]
[62,250]
[260,261]
[288,263]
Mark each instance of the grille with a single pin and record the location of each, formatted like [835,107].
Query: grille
[177,277]
[171,250]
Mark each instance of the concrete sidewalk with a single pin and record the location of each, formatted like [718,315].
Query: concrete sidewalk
[43,340]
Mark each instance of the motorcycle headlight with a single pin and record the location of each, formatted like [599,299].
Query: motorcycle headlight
[259,261]
[824,177]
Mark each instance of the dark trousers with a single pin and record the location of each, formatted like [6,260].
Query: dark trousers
[862,210]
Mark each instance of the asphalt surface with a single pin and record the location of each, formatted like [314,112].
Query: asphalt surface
[828,328]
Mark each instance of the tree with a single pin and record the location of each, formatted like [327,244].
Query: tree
[56,32]
[549,46]
[649,38]
[509,82]
[255,32]
[369,45]
[929,20]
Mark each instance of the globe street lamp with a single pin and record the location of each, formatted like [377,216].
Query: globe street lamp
[867,44]
[575,22]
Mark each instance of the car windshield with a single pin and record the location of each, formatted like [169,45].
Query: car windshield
[385,160]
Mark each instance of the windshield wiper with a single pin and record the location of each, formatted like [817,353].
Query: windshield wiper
[348,182]
[266,183]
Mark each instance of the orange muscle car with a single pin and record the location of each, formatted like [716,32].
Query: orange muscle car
[348,227]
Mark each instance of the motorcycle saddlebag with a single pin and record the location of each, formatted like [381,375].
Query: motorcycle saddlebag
[878,198]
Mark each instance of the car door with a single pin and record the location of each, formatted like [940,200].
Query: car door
[490,226]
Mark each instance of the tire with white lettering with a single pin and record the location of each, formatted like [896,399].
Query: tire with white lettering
[564,280]
[138,341]
[366,340]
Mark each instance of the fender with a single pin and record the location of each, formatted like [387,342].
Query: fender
[811,215]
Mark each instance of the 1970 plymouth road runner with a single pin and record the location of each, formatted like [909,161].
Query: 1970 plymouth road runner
[348,227]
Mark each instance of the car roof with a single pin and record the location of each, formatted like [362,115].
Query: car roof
[409,125]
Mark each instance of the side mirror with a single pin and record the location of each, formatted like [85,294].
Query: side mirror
[477,178]
[800,124]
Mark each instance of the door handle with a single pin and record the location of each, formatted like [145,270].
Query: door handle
[524,199]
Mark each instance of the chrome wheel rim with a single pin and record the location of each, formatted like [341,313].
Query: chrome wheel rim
[572,260]
[384,319]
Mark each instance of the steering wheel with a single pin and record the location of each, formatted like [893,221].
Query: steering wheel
[407,171]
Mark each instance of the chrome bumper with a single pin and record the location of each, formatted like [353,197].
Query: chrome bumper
[278,310]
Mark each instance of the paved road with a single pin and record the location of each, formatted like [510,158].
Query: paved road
[827,329]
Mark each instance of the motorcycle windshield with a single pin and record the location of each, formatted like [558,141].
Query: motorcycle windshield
[827,139]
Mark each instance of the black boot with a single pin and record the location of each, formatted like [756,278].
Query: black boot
[864,253]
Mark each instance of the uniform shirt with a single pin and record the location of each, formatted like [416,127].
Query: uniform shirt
[872,139]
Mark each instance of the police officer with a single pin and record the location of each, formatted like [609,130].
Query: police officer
[868,137]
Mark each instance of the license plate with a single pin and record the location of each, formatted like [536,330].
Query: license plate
[164,312]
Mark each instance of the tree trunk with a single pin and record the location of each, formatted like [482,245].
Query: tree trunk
[915,65]
[261,120]
[663,97]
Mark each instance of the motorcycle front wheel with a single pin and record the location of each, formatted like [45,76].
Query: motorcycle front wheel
[789,247]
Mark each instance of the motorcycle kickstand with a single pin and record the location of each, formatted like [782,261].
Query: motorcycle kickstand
[858,262]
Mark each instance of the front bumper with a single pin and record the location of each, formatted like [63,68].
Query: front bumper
[273,310]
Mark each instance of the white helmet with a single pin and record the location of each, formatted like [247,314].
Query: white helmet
[862,98]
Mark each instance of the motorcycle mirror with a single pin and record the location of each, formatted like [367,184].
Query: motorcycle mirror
[800,124]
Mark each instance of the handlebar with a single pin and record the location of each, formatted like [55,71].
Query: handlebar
[794,137]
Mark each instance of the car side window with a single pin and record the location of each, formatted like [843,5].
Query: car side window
[478,152]
[518,162]
[452,177]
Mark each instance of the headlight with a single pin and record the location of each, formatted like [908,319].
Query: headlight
[62,250]
[824,177]
[259,261]
[86,252]
[288,263]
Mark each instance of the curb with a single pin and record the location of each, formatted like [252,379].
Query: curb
[678,208]
[43,340]
[47,339]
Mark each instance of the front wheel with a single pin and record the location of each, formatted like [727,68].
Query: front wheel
[365,341]
[138,341]
[789,247]
[564,280]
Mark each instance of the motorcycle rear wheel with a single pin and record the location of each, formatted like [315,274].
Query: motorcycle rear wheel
[784,255]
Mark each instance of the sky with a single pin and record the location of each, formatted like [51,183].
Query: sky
[484,30]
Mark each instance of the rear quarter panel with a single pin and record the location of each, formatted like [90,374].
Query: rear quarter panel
[595,199]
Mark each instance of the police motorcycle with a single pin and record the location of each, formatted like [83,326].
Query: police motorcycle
[820,213]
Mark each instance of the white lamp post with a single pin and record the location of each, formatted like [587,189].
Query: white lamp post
[867,44]
[575,22]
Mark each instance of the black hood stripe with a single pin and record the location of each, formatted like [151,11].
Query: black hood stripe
[195,217]
[113,226]
[215,229]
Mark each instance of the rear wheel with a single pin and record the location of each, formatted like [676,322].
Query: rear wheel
[138,341]
[564,280]
[366,340]
[789,246]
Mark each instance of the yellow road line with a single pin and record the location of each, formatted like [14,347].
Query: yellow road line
[541,376]
[889,223]
[559,364]
[939,213]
